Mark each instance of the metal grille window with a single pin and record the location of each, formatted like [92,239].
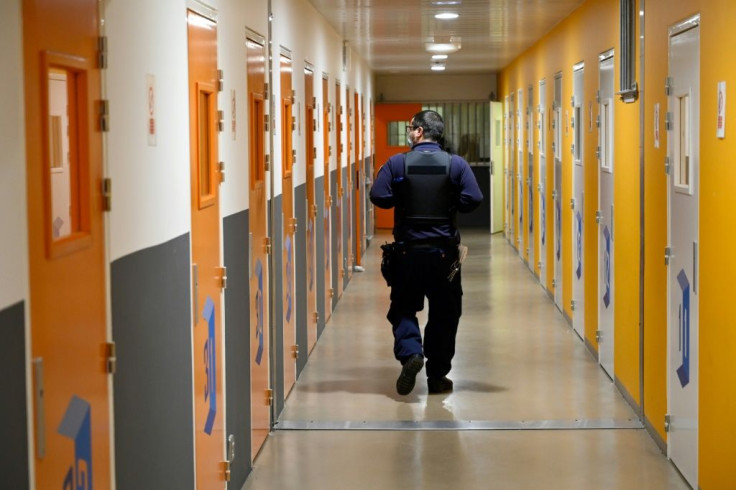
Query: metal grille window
[467,129]
[397,133]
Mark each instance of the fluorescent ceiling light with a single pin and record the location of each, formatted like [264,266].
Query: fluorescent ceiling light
[446,2]
[444,45]
[439,56]
[446,15]
[438,67]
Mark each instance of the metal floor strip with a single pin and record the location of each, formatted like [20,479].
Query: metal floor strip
[427,425]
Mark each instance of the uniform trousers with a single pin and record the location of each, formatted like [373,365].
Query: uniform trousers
[423,272]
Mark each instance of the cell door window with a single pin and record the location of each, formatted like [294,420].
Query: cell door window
[578,135]
[257,170]
[682,144]
[205,140]
[606,146]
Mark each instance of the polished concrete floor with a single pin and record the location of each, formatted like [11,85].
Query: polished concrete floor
[531,407]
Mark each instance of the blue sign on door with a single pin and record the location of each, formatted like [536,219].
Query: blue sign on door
[210,365]
[579,243]
[683,372]
[76,425]
[607,265]
[259,312]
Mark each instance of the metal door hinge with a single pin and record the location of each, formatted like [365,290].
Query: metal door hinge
[668,83]
[572,305]
[667,165]
[221,169]
[269,397]
[103,113]
[267,163]
[265,91]
[226,470]
[314,210]
[572,148]
[668,116]
[222,276]
[293,124]
[554,195]
[293,157]
[539,265]
[668,255]
[220,121]
[598,152]
[598,96]
[220,81]
[316,317]
[598,121]
[598,216]
[572,203]
[332,292]
[295,351]
[111,361]
[598,336]
[265,122]
[267,245]
[293,224]
[102,52]
[329,152]
[668,423]
[572,101]
[554,283]
[106,194]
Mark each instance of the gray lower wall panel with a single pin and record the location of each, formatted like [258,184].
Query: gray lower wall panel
[151,326]
[319,193]
[300,276]
[235,236]
[480,217]
[13,408]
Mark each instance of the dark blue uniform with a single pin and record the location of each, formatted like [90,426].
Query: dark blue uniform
[426,253]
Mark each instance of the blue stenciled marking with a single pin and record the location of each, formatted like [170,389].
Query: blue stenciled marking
[531,212]
[607,266]
[77,425]
[210,365]
[259,312]
[683,372]
[544,218]
[558,225]
[289,277]
[579,243]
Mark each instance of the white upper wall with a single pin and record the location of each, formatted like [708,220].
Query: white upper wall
[436,87]
[151,202]
[13,234]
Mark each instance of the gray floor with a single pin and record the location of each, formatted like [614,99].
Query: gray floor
[531,407]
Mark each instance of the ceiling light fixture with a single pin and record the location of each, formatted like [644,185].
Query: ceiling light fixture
[446,15]
[447,45]
[438,67]
[439,56]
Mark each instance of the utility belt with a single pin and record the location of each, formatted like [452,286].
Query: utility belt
[428,243]
[393,251]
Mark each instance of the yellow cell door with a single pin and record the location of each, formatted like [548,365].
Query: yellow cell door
[260,244]
[289,226]
[66,244]
[309,129]
[207,272]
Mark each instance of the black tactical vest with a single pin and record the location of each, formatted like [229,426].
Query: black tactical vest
[428,193]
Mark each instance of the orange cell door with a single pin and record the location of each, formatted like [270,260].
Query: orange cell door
[326,130]
[66,244]
[260,244]
[349,187]
[386,114]
[340,193]
[207,272]
[358,180]
[289,226]
[310,128]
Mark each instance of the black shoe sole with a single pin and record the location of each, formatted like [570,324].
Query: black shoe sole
[407,378]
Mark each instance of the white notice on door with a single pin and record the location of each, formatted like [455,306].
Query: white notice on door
[151,115]
[721,122]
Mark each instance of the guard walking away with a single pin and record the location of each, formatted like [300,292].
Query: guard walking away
[426,187]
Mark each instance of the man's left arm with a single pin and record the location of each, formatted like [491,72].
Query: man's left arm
[470,194]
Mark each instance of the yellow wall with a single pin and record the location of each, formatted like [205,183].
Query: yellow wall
[591,29]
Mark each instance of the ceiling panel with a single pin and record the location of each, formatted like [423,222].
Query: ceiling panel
[391,35]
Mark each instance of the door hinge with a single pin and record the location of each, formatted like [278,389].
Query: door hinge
[598,121]
[222,276]
[106,194]
[104,115]
[329,151]
[293,157]
[554,283]
[293,224]
[572,305]
[668,423]
[554,195]
[598,152]
[267,163]
[598,336]
[572,203]
[111,361]
[668,83]
[269,397]
[572,101]
[265,91]
[265,123]
[220,81]
[539,265]
[668,121]
[598,216]
[221,169]
[667,165]
[314,210]
[220,121]
[332,292]
[226,470]
[102,52]
[668,255]
[572,148]
[295,351]
[293,124]
[267,245]
[230,456]
[598,96]
[316,317]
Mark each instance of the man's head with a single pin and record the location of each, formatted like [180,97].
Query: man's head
[426,126]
